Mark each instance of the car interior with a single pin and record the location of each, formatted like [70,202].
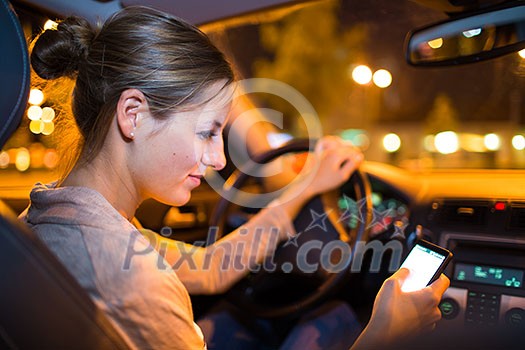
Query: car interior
[447,183]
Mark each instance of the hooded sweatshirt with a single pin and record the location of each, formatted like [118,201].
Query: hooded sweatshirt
[144,296]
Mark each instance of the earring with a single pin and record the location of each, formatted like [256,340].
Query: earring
[132,135]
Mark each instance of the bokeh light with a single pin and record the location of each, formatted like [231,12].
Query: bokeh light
[391,142]
[382,78]
[492,142]
[50,24]
[4,160]
[518,142]
[436,43]
[48,128]
[362,74]
[446,142]
[50,159]
[36,126]
[48,114]
[36,97]
[23,159]
[34,112]
[428,143]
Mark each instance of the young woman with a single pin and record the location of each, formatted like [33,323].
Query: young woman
[151,99]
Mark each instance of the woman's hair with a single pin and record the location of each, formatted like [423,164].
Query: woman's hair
[168,60]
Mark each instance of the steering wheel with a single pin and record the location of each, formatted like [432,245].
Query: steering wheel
[281,287]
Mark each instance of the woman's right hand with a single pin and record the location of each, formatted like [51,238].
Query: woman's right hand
[399,315]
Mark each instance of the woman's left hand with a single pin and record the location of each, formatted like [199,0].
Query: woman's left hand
[332,163]
[335,161]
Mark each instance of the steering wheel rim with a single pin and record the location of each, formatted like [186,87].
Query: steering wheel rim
[362,188]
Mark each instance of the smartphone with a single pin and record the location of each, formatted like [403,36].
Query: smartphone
[426,261]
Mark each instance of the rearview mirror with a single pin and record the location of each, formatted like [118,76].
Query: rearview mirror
[468,39]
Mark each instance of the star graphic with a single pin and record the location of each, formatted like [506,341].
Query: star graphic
[399,230]
[353,209]
[292,239]
[378,218]
[318,220]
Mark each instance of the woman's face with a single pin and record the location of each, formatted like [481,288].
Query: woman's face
[175,153]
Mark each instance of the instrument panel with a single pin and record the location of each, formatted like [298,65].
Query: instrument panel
[388,207]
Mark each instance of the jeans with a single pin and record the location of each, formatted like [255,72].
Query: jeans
[333,325]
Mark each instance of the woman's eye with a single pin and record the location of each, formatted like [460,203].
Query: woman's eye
[207,134]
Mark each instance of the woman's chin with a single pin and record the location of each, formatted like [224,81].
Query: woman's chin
[178,200]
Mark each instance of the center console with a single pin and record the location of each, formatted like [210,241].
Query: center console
[487,281]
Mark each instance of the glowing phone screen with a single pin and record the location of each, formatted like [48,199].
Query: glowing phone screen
[423,264]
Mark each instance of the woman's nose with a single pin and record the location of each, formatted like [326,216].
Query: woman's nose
[214,156]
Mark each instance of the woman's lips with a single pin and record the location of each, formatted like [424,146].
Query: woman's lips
[195,179]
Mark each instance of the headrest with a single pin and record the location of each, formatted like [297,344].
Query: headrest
[14,70]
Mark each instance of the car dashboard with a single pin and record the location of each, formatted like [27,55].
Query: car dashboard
[478,215]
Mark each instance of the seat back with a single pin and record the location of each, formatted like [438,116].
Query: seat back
[41,304]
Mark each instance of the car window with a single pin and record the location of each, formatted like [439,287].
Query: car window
[468,116]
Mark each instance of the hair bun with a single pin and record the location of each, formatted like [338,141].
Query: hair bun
[59,52]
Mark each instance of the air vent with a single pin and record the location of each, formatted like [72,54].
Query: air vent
[517,216]
[471,213]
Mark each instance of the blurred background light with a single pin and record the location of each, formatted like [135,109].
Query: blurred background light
[471,33]
[23,159]
[34,112]
[518,142]
[50,159]
[50,24]
[382,78]
[446,142]
[358,137]
[362,74]
[428,143]
[522,53]
[391,142]
[37,151]
[48,114]
[36,97]
[436,43]
[492,142]
[36,126]
[4,160]
[471,142]
[48,128]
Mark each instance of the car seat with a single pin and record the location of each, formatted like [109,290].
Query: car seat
[41,304]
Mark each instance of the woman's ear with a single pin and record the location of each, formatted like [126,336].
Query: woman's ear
[131,103]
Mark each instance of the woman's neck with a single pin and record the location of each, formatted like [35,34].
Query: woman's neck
[107,178]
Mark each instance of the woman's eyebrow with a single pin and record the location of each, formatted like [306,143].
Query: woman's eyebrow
[212,124]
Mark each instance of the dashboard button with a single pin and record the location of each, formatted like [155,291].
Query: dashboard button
[449,308]
[515,317]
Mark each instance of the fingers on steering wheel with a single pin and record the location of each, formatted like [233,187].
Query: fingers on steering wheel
[327,142]
[351,160]
[350,165]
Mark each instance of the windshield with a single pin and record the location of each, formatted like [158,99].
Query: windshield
[347,58]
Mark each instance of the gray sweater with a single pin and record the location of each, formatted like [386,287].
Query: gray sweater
[142,290]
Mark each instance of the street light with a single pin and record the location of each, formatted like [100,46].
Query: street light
[518,142]
[446,142]
[391,143]
[362,74]
[492,142]
[382,78]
